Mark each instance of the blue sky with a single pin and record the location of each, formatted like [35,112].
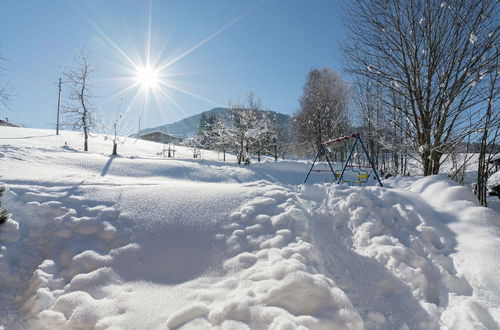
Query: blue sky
[268,48]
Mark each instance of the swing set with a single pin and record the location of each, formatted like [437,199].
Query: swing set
[361,172]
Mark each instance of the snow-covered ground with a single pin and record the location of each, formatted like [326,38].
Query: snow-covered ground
[141,242]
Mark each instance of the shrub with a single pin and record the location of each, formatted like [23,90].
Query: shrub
[3,212]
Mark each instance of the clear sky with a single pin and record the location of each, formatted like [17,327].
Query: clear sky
[212,52]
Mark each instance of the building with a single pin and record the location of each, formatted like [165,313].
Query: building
[160,137]
[7,123]
[495,160]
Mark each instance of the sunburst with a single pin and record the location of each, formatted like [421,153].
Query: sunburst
[149,75]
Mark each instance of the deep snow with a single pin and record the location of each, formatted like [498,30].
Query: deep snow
[140,242]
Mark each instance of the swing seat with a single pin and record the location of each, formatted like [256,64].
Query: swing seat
[337,176]
[363,176]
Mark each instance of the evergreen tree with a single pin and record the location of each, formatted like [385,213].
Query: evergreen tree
[202,126]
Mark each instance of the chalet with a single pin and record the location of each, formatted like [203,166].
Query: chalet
[7,123]
[160,137]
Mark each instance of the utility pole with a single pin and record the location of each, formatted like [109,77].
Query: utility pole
[58,106]
[139,131]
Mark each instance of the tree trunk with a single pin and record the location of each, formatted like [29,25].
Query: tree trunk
[240,154]
[436,161]
[114,148]
[426,162]
[86,142]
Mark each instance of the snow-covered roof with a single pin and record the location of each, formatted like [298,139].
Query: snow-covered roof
[495,158]
[162,133]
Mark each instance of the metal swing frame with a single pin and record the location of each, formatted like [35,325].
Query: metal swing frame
[323,152]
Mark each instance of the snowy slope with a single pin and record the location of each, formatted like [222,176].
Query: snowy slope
[139,242]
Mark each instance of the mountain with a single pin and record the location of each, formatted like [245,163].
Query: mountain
[188,127]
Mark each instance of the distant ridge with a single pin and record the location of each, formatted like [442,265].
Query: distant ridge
[188,127]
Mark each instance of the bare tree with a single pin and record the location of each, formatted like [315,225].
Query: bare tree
[488,138]
[323,109]
[434,55]
[79,111]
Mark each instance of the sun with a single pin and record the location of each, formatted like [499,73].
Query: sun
[147,77]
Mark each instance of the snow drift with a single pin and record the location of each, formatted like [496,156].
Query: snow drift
[136,242]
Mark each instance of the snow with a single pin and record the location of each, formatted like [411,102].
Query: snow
[494,180]
[136,241]
[472,38]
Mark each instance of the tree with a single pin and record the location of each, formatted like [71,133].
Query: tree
[269,135]
[79,111]
[203,125]
[206,130]
[488,138]
[117,127]
[285,140]
[270,138]
[432,56]
[244,116]
[323,109]
[221,135]
[386,142]
[259,135]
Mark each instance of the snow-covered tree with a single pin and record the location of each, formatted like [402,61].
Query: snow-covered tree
[220,135]
[259,135]
[433,56]
[286,139]
[206,131]
[323,109]
[244,117]
[78,110]
[269,136]
[203,125]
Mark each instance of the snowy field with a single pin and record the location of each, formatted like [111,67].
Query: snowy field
[141,242]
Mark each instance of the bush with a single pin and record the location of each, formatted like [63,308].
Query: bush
[3,212]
